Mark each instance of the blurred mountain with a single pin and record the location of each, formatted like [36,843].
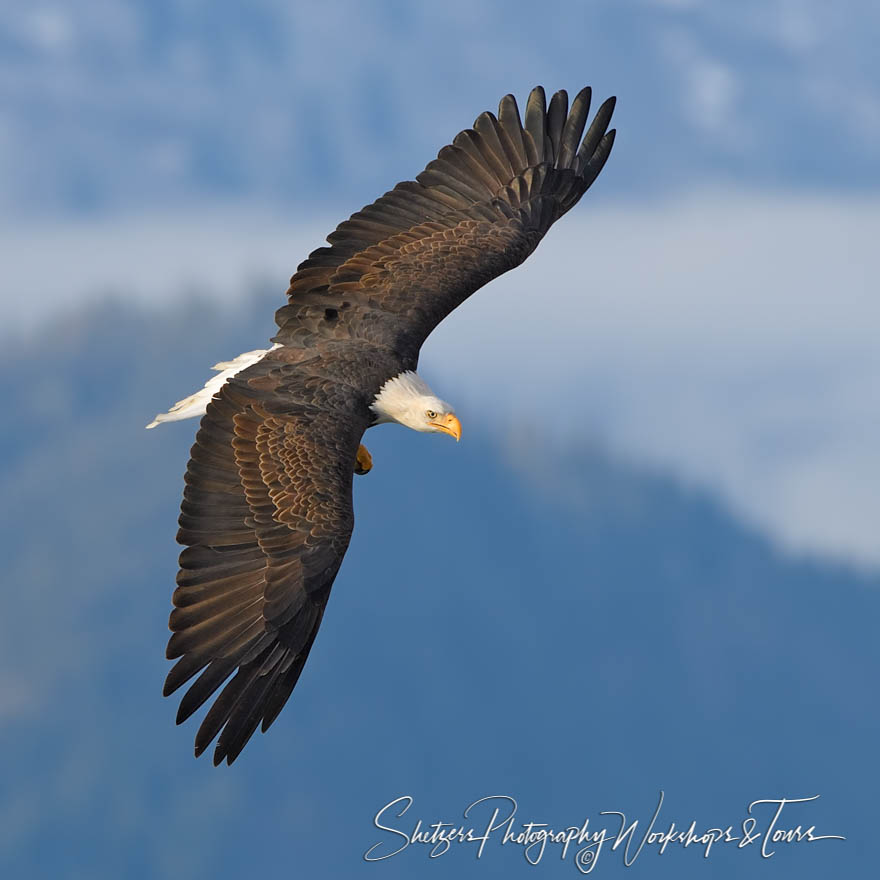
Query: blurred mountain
[512,618]
[117,104]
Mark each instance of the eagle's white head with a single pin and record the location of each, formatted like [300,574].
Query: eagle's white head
[407,400]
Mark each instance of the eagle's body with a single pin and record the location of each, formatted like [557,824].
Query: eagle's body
[267,511]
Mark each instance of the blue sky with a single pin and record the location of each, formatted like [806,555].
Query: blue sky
[719,280]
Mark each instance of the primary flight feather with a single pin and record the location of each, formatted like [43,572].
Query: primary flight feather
[267,514]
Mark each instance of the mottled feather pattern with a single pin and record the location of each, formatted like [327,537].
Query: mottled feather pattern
[498,173]
[267,516]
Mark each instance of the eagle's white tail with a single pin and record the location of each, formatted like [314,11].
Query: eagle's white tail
[196,404]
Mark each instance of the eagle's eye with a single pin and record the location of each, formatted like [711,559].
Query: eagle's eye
[431,414]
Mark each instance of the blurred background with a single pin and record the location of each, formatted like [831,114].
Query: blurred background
[661,521]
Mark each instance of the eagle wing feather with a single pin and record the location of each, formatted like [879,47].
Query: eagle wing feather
[397,267]
[266,519]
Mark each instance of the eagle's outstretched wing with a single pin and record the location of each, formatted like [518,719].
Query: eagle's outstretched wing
[395,269]
[267,510]
[266,517]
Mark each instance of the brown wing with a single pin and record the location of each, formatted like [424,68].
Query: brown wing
[396,268]
[266,517]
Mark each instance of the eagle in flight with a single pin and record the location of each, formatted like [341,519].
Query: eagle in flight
[267,515]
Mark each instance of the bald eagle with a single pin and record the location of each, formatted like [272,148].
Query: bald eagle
[267,514]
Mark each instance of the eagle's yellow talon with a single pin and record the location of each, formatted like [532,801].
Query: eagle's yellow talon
[363,462]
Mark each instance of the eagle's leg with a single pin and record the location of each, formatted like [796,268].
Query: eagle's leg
[363,461]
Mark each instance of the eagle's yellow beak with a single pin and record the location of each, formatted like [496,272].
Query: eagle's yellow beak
[448,424]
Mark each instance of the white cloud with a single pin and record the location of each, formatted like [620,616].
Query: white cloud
[49,29]
[798,26]
[58,265]
[709,87]
[729,338]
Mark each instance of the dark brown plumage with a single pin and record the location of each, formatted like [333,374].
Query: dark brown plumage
[267,510]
